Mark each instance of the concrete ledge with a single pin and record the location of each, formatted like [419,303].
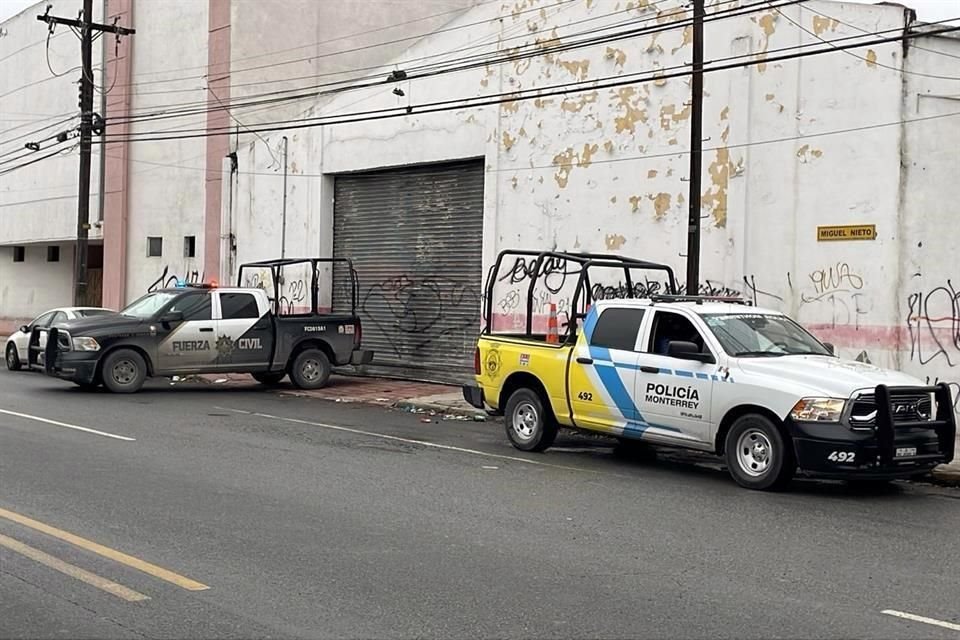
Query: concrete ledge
[948,474]
[447,404]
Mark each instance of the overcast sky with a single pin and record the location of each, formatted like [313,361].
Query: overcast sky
[929,10]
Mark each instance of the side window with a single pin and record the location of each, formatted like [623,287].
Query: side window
[194,307]
[670,327]
[59,316]
[238,305]
[43,321]
[617,329]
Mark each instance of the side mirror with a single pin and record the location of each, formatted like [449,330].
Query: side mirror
[683,350]
[832,349]
[171,317]
[24,329]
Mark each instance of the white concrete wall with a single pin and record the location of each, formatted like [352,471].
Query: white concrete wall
[927,304]
[166,178]
[30,287]
[39,202]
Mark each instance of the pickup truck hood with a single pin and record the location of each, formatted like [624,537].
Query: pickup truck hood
[100,325]
[827,375]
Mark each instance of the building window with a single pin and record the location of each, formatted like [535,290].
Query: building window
[189,246]
[154,246]
[19,253]
[53,254]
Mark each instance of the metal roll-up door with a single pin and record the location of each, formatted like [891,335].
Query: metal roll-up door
[415,237]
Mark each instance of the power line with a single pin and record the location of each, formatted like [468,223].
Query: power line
[538,50]
[542,92]
[859,57]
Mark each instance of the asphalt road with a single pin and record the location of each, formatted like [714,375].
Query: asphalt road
[245,514]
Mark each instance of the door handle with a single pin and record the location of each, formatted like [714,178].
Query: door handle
[650,369]
[585,360]
[206,329]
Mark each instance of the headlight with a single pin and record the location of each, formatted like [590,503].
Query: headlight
[85,344]
[818,410]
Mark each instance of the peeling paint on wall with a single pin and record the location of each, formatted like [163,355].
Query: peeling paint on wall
[821,24]
[576,105]
[669,115]
[617,55]
[767,23]
[635,204]
[614,241]
[629,101]
[577,68]
[661,204]
[871,58]
[608,146]
[508,141]
[805,153]
[568,159]
[687,39]
[652,173]
[715,197]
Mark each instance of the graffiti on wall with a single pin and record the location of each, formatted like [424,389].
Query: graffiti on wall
[933,324]
[415,311]
[836,292]
[170,277]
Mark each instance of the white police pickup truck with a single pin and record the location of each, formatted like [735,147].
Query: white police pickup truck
[745,383]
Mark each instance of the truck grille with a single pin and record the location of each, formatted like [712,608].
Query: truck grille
[905,407]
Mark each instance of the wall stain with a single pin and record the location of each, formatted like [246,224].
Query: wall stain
[635,204]
[652,173]
[806,152]
[615,241]
[608,146]
[508,141]
[871,59]
[661,204]
[613,200]
[725,113]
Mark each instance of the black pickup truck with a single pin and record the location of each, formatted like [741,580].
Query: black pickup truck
[193,329]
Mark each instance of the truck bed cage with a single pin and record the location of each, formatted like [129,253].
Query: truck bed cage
[276,273]
[585,260]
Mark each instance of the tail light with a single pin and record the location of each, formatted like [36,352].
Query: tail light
[476,361]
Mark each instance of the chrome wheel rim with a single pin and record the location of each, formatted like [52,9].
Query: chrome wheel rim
[124,372]
[310,369]
[525,420]
[754,452]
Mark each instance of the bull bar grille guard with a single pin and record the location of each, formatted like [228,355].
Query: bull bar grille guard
[943,422]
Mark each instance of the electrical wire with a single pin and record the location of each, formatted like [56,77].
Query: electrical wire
[554,90]
[859,57]
[538,50]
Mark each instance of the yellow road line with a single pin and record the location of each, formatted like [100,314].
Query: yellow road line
[111,587]
[106,552]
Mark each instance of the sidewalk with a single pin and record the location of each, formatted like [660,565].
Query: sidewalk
[442,402]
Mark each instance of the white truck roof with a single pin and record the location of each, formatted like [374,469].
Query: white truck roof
[700,308]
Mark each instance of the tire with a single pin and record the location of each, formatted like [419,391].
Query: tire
[12,358]
[269,379]
[757,455]
[529,425]
[311,369]
[124,371]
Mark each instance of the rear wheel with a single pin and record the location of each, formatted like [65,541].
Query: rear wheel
[529,424]
[757,455]
[124,371]
[269,379]
[311,369]
[12,358]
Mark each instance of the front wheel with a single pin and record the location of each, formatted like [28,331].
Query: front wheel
[311,369]
[124,371]
[757,455]
[13,358]
[529,425]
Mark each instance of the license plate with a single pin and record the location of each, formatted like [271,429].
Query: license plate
[905,452]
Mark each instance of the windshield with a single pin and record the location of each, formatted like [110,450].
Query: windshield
[147,306]
[754,335]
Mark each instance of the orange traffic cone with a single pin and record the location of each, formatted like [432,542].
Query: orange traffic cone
[553,331]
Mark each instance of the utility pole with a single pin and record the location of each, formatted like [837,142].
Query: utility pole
[696,152]
[88,31]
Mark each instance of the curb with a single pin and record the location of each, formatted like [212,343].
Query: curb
[948,474]
[415,406]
